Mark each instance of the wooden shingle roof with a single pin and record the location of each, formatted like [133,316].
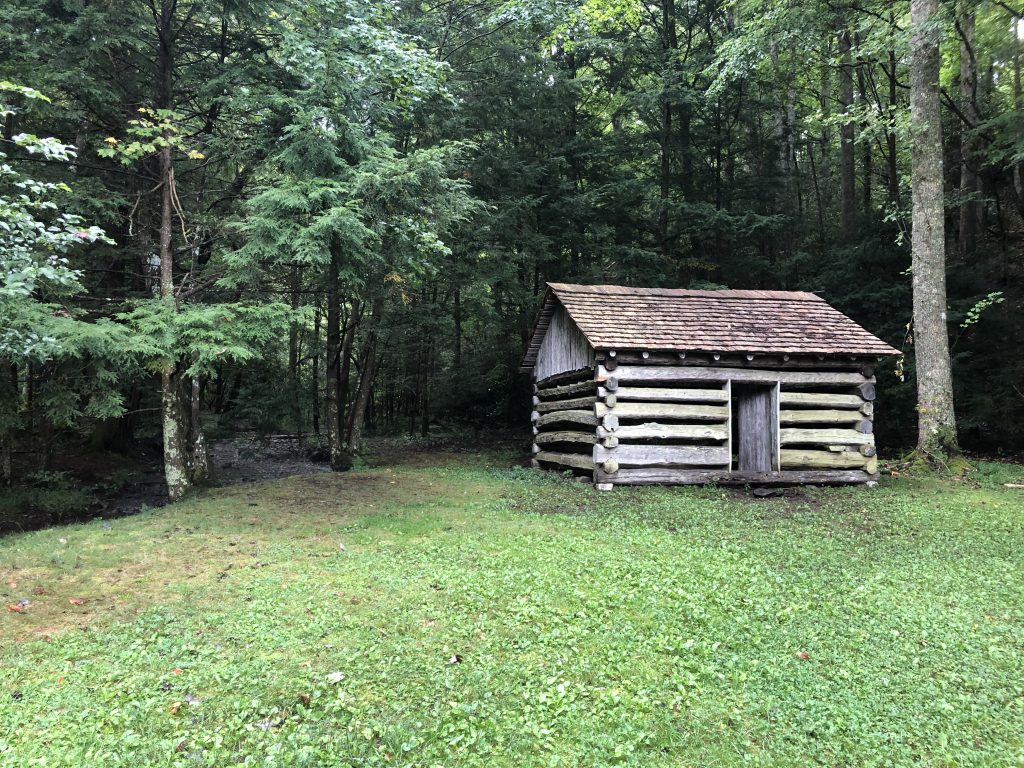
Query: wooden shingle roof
[621,318]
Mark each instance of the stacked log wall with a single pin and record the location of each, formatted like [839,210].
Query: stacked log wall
[666,419]
[564,422]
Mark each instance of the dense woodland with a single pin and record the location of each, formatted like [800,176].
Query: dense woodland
[336,218]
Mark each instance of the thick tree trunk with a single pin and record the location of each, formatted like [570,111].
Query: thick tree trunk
[847,162]
[174,416]
[970,207]
[936,419]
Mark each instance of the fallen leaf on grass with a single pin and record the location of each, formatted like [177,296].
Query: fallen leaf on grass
[176,671]
[336,677]
[12,584]
[304,698]
[455,659]
[39,591]
[182,746]
[16,608]
[175,707]
[803,655]
[77,600]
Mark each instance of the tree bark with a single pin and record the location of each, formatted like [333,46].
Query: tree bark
[893,173]
[315,364]
[173,413]
[847,162]
[936,418]
[199,455]
[332,368]
[366,373]
[8,419]
[295,280]
[669,44]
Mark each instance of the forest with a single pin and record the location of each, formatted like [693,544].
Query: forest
[336,219]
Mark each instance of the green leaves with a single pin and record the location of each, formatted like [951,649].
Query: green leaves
[204,336]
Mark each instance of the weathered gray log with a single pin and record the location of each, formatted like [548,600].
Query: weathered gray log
[610,422]
[610,399]
[566,377]
[568,417]
[722,477]
[868,409]
[611,384]
[867,390]
[649,373]
[546,438]
[535,449]
[655,431]
[665,411]
[575,460]
[664,455]
[872,465]
[610,466]
[564,405]
[820,417]
[549,393]
[824,437]
[669,395]
[867,450]
[819,400]
[865,426]
[799,459]
[534,416]
[534,463]
[611,441]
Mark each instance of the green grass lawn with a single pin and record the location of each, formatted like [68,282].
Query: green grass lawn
[457,613]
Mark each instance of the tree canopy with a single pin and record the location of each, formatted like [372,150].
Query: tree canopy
[338,217]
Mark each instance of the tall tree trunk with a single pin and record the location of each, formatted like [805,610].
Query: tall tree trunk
[315,364]
[8,420]
[173,416]
[199,455]
[346,354]
[970,207]
[457,321]
[295,280]
[669,44]
[936,418]
[847,163]
[334,404]
[866,159]
[893,173]
[1018,102]
[367,371]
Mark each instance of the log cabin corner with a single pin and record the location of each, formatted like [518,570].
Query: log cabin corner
[668,386]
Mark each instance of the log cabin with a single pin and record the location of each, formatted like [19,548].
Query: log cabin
[670,386]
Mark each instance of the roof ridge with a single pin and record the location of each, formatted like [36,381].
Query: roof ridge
[723,293]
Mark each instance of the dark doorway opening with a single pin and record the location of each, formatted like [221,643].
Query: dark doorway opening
[755,426]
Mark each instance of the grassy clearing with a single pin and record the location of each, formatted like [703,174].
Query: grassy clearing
[473,615]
